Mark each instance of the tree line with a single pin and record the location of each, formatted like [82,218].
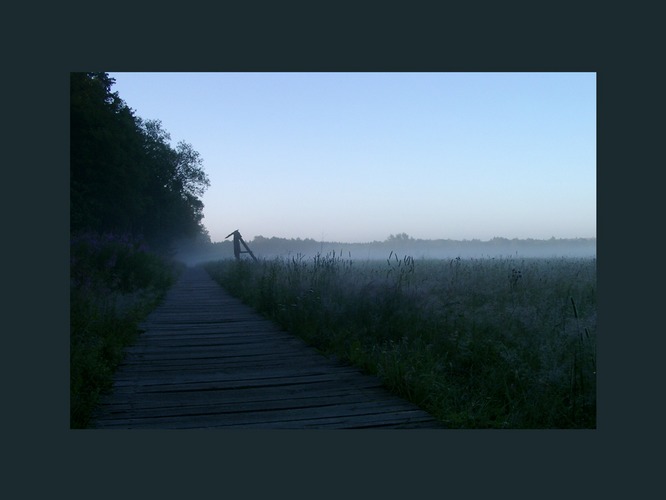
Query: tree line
[125,177]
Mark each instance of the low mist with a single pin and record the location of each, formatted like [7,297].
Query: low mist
[402,245]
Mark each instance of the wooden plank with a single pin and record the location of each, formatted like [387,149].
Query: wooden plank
[280,418]
[328,390]
[329,402]
[236,365]
[235,379]
[205,360]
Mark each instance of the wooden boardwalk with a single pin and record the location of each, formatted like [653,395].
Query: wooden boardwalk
[206,360]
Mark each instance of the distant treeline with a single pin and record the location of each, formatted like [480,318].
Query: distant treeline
[402,245]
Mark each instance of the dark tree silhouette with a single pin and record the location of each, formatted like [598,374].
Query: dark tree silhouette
[124,175]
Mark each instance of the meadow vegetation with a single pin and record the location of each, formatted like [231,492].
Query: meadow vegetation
[114,282]
[479,343]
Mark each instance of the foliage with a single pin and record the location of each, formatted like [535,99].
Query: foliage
[479,343]
[125,178]
[114,282]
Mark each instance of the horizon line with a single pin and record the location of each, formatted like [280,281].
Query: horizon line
[411,239]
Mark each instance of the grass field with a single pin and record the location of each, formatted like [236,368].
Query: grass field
[479,343]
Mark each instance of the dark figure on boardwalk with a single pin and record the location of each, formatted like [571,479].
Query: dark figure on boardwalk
[238,239]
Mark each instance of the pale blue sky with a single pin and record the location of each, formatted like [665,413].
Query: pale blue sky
[355,157]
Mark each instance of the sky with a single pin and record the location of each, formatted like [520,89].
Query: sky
[356,157]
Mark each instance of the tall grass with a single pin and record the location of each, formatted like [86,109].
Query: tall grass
[479,343]
[114,283]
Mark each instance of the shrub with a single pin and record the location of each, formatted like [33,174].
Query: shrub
[114,282]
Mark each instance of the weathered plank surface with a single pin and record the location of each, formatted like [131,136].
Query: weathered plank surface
[205,360]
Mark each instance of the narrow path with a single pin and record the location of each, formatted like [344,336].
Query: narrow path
[206,360]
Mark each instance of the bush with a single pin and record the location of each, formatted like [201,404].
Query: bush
[114,282]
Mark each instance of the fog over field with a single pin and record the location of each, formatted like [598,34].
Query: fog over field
[396,245]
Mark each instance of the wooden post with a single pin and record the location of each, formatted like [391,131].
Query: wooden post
[248,249]
[238,239]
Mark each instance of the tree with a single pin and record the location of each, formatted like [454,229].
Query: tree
[102,174]
[398,237]
[124,175]
[175,183]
